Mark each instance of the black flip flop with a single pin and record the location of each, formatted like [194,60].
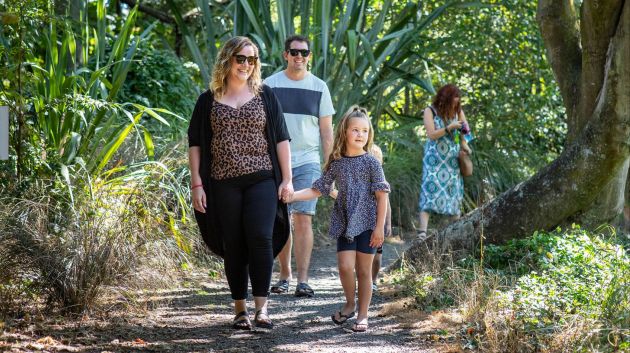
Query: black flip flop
[304,290]
[342,318]
[262,323]
[241,321]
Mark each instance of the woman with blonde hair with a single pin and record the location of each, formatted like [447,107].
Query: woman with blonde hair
[239,161]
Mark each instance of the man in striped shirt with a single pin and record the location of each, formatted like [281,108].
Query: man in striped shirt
[308,112]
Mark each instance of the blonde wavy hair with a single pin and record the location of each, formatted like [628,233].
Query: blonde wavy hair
[223,64]
[339,144]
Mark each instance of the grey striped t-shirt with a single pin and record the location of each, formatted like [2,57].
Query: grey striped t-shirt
[303,103]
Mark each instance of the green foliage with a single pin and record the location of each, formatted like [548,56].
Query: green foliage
[88,210]
[566,283]
[67,110]
[159,79]
[99,235]
[497,56]
[576,273]
[403,170]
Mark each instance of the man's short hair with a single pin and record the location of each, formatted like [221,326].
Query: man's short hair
[296,38]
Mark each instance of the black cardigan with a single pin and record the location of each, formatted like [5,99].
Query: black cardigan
[200,134]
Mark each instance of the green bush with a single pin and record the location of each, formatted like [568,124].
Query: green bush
[403,170]
[578,273]
[77,236]
[566,290]
[160,80]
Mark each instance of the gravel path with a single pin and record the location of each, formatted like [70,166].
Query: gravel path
[197,319]
[301,324]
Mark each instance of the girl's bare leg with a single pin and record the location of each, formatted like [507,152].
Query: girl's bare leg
[346,262]
[364,277]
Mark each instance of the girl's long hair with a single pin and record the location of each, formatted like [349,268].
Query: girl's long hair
[223,64]
[339,144]
[443,101]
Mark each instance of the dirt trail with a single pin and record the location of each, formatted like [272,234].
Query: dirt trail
[197,319]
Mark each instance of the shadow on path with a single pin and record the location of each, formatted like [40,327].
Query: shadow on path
[197,319]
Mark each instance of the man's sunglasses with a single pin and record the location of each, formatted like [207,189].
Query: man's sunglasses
[304,52]
[250,59]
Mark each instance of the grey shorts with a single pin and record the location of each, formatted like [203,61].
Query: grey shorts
[303,177]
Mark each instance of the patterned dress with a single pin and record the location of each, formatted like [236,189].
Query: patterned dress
[358,179]
[442,187]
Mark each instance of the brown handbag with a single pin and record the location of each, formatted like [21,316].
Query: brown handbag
[465,163]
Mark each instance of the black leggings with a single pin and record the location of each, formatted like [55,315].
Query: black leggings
[246,210]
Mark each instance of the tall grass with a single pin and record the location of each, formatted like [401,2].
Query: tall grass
[100,236]
[100,199]
[564,291]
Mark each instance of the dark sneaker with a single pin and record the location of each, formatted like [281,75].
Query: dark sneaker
[281,287]
[304,290]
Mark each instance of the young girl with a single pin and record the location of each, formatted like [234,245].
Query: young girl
[376,263]
[358,216]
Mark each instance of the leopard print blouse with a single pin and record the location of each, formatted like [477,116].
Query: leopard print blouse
[239,143]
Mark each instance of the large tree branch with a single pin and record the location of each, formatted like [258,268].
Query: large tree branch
[558,24]
[569,184]
[598,22]
[162,16]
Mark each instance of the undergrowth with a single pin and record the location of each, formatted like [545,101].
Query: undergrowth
[560,291]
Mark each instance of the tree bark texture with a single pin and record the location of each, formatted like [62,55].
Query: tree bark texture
[596,158]
[610,202]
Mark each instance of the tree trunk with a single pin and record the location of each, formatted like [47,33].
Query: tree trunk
[608,206]
[595,160]
[596,16]
[625,219]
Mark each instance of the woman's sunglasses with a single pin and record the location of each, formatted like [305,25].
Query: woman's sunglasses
[250,59]
[304,52]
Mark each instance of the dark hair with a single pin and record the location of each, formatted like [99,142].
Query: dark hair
[443,101]
[296,38]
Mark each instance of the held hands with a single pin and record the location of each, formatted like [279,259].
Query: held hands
[199,199]
[288,198]
[285,191]
[377,237]
[466,148]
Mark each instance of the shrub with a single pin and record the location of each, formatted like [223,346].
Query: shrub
[160,80]
[555,291]
[80,235]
